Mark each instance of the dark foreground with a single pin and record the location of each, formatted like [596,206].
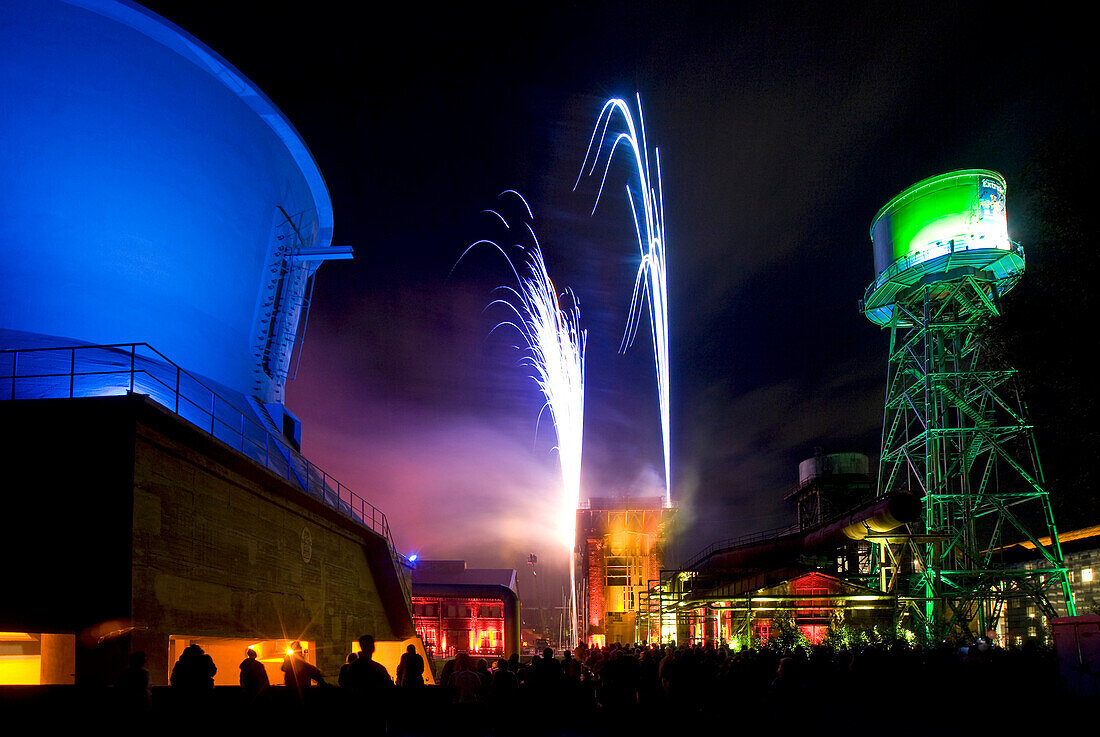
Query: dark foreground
[644,692]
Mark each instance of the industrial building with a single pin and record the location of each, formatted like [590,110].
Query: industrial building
[1024,620]
[619,553]
[163,225]
[799,581]
[932,549]
[459,609]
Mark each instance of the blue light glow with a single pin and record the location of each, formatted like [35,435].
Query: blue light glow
[152,194]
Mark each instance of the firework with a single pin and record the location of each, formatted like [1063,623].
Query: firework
[553,350]
[647,209]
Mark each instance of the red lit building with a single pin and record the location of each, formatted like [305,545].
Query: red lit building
[459,609]
[810,602]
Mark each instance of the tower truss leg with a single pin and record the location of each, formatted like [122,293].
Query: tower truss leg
[956,432]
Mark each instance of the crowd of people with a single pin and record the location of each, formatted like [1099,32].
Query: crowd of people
[641,686]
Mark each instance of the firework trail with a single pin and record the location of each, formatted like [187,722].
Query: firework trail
[647,208]
[553,349]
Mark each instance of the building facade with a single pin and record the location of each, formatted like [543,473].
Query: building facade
[1023,620]
[619,553]
[472,610]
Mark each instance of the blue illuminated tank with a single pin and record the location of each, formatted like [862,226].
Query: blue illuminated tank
[151,194]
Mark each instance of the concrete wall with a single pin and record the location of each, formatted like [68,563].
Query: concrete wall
[221,547]
[219,552]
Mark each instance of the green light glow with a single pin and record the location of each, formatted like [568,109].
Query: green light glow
[935,227]
[962,210]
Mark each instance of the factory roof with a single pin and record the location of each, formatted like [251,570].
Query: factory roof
[455,573]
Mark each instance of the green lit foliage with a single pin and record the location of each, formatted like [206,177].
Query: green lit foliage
[843,636]
[786,634]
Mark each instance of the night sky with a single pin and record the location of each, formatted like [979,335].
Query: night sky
[783,128]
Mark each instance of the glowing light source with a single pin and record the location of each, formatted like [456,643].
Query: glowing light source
[554,352]
[650,279]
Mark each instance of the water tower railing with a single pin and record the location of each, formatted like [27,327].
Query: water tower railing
[118,369]
[931,252]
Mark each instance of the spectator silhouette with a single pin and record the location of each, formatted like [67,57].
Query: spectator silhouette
[504,685]
[464,682]
[299,673]
[547,671]
[410,671]
[366,676]
[345,669]
[194,671]
[253,676]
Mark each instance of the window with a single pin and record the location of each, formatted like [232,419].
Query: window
[618,571]
[1086,575]
[430,636]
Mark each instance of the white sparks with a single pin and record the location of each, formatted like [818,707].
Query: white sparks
[650,279]
[553,349]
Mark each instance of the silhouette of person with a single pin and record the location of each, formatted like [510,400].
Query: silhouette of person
[365,675]
[194,671]
[547,671]
[465,683]
[253,675]
[298,673]
[345,669]
[505,684]
[410,671]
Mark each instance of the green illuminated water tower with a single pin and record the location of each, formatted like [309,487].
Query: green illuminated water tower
[955,430]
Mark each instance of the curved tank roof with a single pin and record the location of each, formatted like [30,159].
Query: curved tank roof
[836,464]
[934,228]
[152,194]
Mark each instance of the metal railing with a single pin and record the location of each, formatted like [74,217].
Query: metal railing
[933,251]
[123,368]
[754,537]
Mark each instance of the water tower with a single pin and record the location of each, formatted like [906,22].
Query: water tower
[955,430]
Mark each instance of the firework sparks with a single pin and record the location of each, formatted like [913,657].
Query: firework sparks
[553,349]
[647,208]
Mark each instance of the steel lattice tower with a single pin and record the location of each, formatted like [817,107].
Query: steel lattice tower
[955,430]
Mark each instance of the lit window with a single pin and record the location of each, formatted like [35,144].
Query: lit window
[1086,575]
